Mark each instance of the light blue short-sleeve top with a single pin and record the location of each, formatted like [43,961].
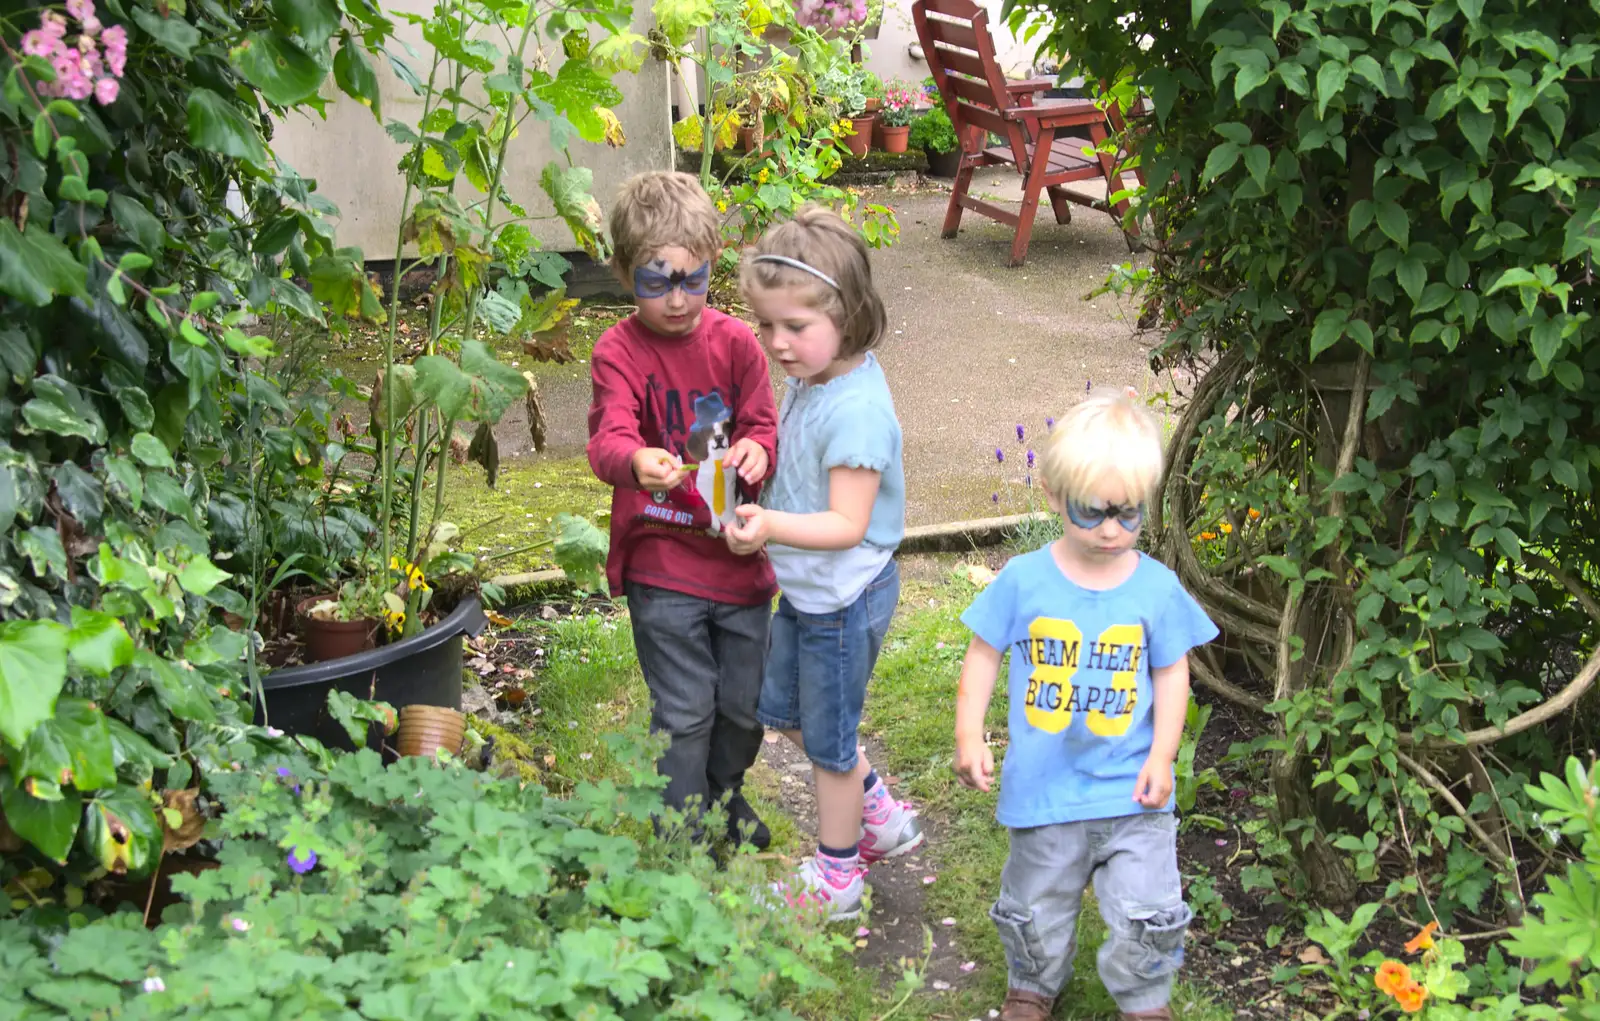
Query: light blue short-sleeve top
[847,422]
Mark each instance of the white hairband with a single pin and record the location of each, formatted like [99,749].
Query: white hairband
[803,267]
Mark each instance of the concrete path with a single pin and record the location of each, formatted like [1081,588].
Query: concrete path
[974,348]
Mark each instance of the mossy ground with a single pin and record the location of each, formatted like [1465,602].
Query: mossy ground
[502,523]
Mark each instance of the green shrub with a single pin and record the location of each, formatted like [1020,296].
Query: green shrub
[425,892]
[933,132]
[1373,237]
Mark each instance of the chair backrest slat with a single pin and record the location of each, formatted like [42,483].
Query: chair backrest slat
[977,93]
[988,120]
[962,9]
[961,61]
[954,33]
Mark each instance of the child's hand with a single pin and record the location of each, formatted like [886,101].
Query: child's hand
[1153,786]
[750,458]
[657,470]
[974,764]
[748,532]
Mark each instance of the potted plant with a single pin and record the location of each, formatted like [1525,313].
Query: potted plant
[935,135]
[344,623]
[874,89]
[894,119]
[845,85]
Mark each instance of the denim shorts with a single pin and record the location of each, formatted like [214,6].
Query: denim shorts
[817,670]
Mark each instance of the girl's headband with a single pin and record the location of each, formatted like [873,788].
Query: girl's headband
[803,267]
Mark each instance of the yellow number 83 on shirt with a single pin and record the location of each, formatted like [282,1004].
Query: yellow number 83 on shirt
[1058,654]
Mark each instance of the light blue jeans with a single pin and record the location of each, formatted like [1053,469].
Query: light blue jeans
[1133,861]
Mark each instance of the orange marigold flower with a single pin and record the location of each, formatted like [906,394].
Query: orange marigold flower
[1391,977]
[1424,939]
[1254,514]
[1227,529]
[1410,997]
[1207,536]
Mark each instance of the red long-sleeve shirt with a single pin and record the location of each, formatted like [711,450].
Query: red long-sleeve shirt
[695,396]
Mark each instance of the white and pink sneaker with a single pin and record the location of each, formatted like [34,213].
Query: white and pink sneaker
[834,891]
[890,832]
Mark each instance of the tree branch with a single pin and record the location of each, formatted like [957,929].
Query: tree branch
[1508,860]
[1202,672]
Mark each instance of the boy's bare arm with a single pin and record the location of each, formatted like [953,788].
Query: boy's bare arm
[1171,693]
[974,762]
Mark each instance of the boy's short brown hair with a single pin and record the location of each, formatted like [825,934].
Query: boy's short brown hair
[820,238]
[656,210]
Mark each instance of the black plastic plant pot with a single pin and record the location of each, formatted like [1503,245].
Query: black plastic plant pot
[944,164]
[424,669]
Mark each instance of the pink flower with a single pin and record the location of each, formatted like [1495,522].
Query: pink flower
[115,62]
[65,62]
[85,44]
[91,25]
[105,91]
[38,43]
[53,25]
[80,9]
[76,86]
[116,39]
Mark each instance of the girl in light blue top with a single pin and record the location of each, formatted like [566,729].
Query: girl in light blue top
[830,520]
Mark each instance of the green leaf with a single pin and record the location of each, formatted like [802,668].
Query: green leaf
[35,267]
[580,550]
[355,75]
[1476,126]
[122,470]
[152,452]
[1413,276]
[181,689]
[1258,161]
[1249,78]
[679,19]
[1330,82]
[1435,296]
[172,33]
[1220,161]
[200,576]
[33,667]
[50,826]
[568,188]
[285,74]
[314,20]
[72,748]
[138,223]
[98,642]
[41,544]
[59,408]
[121,833]
[166,493]
[215,124]
[1329,328]
[1394,223]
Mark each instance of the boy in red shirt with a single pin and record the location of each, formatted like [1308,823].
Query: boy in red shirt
[684,427]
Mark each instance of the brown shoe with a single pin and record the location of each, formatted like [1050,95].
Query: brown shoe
[1025,1006]
[1158,1014]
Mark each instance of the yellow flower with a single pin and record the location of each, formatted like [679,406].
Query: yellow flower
[762,177]
[722,206]
[1227,529]
[394,619]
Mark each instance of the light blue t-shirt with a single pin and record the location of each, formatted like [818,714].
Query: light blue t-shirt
[847,422]
[1080,691]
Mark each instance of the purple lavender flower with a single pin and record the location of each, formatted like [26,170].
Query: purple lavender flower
[994,497]
[1027,480]
[1019,432]
[1049,424]
[285,772]
[1088,385]
[999,455]
[1030,458]
[302,863]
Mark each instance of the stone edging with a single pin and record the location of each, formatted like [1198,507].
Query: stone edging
[951,537]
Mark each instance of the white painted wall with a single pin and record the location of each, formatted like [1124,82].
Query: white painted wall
[354,162]
[889,55]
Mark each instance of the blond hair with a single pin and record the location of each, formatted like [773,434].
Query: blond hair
[1107,438]
[821,239]
[659,209]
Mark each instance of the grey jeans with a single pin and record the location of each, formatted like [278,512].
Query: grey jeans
[1133,861]
[703,662]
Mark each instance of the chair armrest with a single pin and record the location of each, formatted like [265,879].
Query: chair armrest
[1031,85]
[1058,113]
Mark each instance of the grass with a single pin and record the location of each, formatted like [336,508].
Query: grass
[503,522]
[592,686]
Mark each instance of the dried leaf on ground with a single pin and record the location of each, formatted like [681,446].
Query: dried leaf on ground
[191,823]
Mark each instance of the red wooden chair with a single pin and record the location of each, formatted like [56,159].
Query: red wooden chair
[1045,142]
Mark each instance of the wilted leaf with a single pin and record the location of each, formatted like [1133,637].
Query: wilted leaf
[191,823]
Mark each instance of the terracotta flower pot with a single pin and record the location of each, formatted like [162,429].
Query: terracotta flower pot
[425,729]
[894,139]
[334,639]
[873,104]
[861,141]
[747,142]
